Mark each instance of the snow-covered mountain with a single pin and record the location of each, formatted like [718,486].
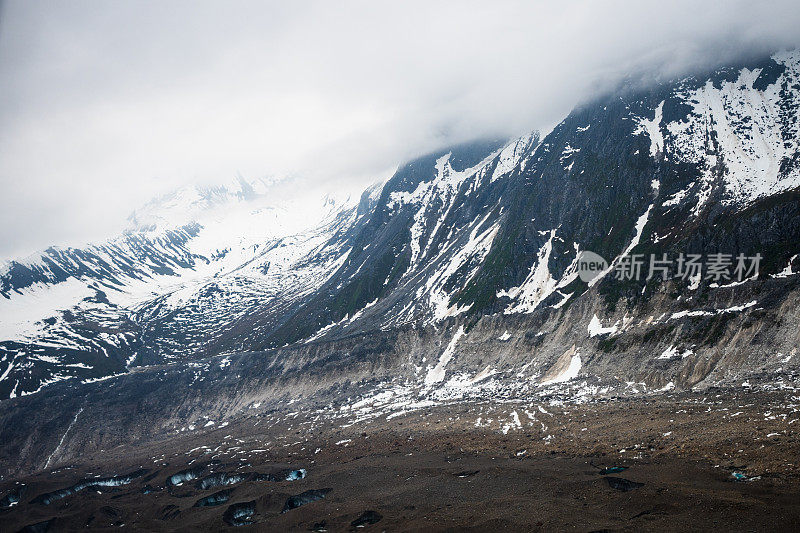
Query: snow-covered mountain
[212,253]
[476,241]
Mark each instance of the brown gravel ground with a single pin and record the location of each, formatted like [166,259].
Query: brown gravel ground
[435,470]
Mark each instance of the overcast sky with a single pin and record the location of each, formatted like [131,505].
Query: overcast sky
[105,104]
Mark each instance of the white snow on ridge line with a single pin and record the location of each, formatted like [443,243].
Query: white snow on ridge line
[184,288]
[243,231]
[510,156]
[443,186]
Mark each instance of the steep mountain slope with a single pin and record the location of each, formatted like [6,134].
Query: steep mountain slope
[461,273]
[190,265]
[694,167]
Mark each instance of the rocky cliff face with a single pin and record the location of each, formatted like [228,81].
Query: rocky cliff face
[459,277]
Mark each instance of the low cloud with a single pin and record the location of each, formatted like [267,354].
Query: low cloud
[106,104]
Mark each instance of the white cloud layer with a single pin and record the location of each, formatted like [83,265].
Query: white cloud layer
[105,104]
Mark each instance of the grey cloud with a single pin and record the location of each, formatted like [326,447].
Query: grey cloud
[106,104]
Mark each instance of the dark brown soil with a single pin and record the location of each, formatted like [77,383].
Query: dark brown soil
[434,470]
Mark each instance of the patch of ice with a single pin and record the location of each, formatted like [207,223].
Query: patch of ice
[669,353]
[653,129]
[570,373]
[596,328]
[786,272]
[436,374]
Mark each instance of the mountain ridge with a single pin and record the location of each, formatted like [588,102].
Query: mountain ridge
[463,234]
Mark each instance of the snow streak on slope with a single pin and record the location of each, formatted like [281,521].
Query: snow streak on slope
[513,155]
[641,222]
[751,129]
[537,286]
[571,372]
[446,252]
[653,129]
[472,253]
[436,374]
[436,199]
[540,283]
